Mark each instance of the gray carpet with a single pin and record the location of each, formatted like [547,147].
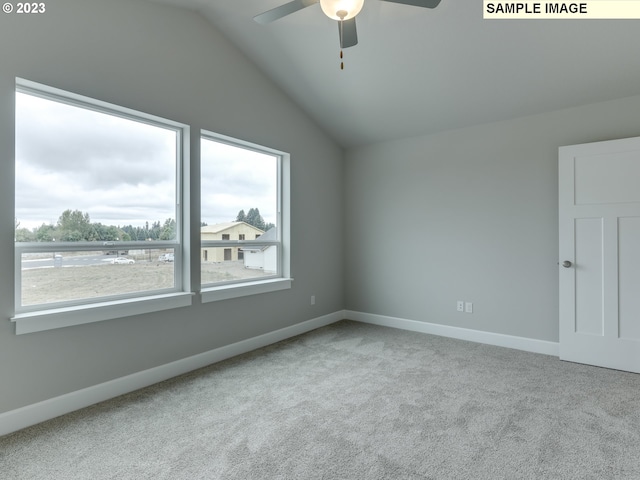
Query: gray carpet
[352,401]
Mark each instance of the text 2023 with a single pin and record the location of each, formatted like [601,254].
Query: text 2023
[31,7]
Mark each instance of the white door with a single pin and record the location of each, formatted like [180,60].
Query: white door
[599,213]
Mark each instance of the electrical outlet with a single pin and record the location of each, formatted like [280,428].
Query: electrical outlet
[313,299]
[468,307]
[460,306]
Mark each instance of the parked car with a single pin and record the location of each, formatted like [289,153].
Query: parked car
[166,257]
[122,261]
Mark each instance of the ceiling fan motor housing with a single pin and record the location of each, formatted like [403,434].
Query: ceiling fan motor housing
[341,9]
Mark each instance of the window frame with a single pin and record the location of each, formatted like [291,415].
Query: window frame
[30,318]
[269,283]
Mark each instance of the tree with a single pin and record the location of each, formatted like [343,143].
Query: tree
[254,218]
[106,233]
[135,233]
[155,231]
[45,233]
[71,236]
[74,226]
[25,235]
[168,229]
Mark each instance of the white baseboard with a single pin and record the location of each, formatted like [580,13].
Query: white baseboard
[39,412]
[497,339]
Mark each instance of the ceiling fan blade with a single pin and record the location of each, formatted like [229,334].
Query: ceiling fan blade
[417,3]
[348,33]
[283,10]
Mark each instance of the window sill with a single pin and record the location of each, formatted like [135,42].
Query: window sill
[236,290]
[65,317]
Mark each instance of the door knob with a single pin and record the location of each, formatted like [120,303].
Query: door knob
[566,264]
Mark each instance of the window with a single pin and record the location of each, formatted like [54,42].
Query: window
[98,209]
[244,192]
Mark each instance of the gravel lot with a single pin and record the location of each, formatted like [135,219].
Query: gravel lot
[45,285]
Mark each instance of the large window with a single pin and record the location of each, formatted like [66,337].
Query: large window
[98,217]
[243,225]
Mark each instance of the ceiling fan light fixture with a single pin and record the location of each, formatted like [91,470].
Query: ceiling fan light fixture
[341,9]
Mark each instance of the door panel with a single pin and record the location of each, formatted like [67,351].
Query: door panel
[629,276]
[588,277]
[595,174]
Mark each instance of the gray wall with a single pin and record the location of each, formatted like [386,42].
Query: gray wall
[468,215]
[170,63]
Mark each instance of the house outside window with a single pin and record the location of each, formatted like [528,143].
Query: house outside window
[212,233]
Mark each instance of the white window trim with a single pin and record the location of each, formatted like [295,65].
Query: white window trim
[282,279]
[236,290]
[96,312]
[46,317]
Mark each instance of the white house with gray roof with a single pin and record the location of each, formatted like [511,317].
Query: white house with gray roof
[262,257]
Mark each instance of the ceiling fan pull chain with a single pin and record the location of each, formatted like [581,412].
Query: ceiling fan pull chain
[341,37]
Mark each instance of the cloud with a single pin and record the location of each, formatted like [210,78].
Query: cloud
[121,171]
[104,149]
[118,170]
[235,179]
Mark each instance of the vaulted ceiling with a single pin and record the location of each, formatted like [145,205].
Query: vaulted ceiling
[417,71]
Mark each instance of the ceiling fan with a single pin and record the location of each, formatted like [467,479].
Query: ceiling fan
[344,11]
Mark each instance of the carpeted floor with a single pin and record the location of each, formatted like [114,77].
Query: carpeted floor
[352,401]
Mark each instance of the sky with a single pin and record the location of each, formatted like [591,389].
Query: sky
[235,179]
[123,172]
